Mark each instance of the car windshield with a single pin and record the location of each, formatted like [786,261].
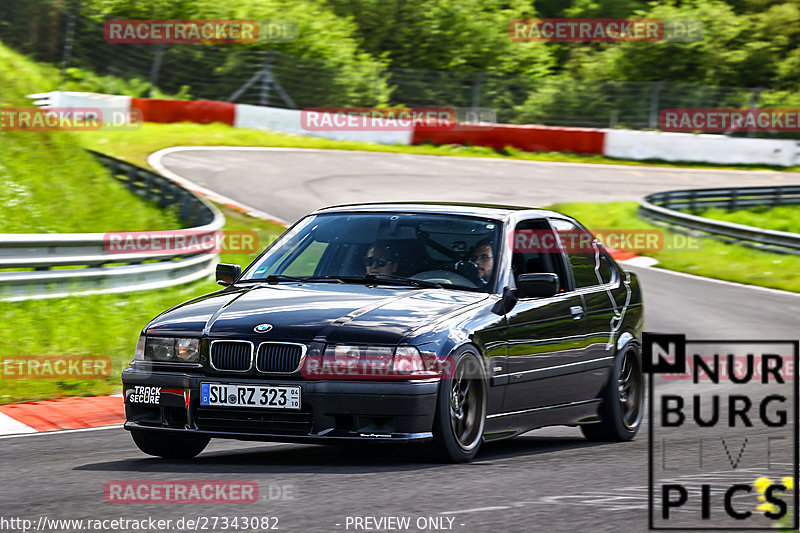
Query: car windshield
[414,249]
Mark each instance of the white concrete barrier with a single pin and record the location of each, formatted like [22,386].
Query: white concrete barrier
[112,106]
[700,148]
[289,121]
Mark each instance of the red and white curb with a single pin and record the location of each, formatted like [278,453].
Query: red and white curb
[61,414]
[615,143]
[630,258]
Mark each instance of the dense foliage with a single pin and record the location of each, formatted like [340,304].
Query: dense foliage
[445,52]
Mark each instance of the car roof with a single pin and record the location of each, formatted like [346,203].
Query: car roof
[494,211]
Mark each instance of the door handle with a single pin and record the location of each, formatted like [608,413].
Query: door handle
[577,312]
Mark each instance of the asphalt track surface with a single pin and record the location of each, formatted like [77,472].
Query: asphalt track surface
[548,480]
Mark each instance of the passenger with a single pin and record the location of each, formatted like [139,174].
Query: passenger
[380,259]
[483,257]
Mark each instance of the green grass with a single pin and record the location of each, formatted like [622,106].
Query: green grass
[784,218]
[709,258]
[106,325]
[137,144]
[48,183]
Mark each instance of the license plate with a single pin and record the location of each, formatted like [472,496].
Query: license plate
[266,396]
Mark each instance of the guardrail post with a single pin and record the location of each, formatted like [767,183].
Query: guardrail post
[130,174]
[163,198]
[692,206]
[734,200]
[186,206]
[193,215]
[776,199]
[148,185]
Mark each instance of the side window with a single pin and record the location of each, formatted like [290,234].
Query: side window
[306,262]
[535,250]
[589,265]
[606,271]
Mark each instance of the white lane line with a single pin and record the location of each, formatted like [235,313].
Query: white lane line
[714,280]
[12,426]
[478,509]
[628,498]
[60,432]
[155,161]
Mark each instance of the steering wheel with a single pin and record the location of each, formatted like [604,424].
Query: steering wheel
[444,277]
[469,270]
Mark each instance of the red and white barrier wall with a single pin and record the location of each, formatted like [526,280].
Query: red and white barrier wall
[621,144]
[522,137]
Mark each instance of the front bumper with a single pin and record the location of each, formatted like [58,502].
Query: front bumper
[331,410]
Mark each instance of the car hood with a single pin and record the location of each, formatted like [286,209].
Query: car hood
[320,312]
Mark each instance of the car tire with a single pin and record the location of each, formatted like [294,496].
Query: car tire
[623,400]
[169,446]
[460,414]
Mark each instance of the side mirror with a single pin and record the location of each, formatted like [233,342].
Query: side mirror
[537,285]
[227,273]
[506,303]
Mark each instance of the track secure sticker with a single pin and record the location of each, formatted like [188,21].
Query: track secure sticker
[145,395]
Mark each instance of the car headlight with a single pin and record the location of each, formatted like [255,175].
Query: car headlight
[344,360]
[138,355]
[187,350]
[172,349]
[407,359]
[359,357]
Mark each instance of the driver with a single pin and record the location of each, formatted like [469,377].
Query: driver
[478,269]
[380,259]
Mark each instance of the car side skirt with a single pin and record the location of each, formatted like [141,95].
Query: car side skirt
[506,425]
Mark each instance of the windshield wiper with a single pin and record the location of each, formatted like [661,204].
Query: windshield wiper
[277,278]
[387,279]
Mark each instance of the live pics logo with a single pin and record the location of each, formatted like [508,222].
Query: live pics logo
[721,414]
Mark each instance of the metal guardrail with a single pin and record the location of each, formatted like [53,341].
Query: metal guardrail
[664,208]
[53,257]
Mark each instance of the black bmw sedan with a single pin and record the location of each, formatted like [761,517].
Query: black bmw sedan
[434,324]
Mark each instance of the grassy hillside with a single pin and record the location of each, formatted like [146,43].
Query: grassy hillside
[48,183]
